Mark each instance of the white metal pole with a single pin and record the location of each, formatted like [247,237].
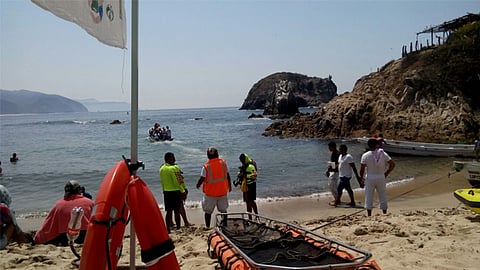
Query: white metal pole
[134,113]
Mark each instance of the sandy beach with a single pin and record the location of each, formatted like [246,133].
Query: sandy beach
[425,228]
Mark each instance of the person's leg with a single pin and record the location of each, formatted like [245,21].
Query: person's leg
[369,190]
[177,217]
[222,206]
[245,199]
[208,217]
[341,186]
[208,205]
[252,196]
[183,213]
[333,184]
[254,207]
[168,219]
[349,190]
[60,240]
[382,195]
[169,202]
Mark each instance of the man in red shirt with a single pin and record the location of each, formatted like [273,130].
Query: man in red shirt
[54,228]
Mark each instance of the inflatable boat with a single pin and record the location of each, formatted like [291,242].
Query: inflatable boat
[470,197]
[249,241]
[473,173]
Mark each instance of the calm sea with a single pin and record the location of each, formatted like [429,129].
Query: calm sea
[55,148]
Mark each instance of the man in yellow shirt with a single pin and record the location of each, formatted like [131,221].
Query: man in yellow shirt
[173,188]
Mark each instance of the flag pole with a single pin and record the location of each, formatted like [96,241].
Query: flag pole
[134,112]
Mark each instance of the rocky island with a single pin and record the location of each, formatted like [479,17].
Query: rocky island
[431,95]
[281,94]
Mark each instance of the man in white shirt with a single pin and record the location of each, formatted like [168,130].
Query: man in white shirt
[346,167]
[374,163]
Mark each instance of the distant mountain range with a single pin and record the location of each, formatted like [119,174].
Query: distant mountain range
[26,101]
[94,105]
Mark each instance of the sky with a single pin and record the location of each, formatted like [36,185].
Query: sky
[200,54]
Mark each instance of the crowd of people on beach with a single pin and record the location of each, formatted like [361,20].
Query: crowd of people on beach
[214,179]
[215,182]
[372,175]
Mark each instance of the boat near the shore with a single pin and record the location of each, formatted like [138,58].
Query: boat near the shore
[157,136]
[425,149]
[471,170]
[158,139]
[249,241]
[473,173]
[470,197]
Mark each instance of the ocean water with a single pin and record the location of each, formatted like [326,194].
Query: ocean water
[55,148]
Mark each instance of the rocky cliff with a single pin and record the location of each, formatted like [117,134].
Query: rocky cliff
[24,101]
[307,91]
[432,95]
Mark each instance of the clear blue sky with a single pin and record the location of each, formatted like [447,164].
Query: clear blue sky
[195,54]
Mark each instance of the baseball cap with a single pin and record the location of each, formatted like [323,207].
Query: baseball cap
[71,187]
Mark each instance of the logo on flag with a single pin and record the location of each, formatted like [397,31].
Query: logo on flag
[89,14]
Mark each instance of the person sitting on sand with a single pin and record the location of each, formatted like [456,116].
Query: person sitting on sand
[54,228]
[9,229]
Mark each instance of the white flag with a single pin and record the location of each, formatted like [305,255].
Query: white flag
[103,19]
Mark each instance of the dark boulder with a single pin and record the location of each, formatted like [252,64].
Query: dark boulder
[306,91]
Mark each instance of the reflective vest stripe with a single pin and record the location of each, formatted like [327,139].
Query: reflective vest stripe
[221,177]
[216,179]
[251,174]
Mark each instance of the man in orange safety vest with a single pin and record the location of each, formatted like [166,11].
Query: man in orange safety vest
[216,185]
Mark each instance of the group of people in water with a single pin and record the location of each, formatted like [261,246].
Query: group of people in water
[158,133]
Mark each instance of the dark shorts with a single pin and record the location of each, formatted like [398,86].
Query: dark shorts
[251,194]
[62,239]
[172,200]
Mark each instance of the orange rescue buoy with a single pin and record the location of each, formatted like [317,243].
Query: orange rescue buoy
[108,221]
[157,249]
